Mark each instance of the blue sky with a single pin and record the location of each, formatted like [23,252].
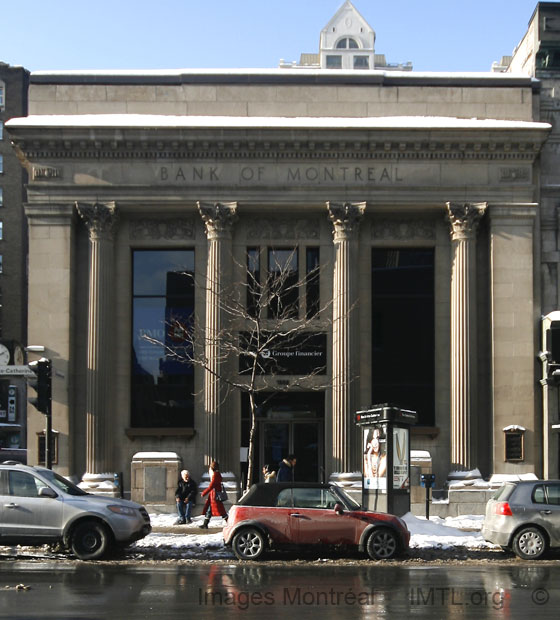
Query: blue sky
[436,35]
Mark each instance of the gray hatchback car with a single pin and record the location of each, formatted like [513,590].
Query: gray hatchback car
[37,506]
[524,517]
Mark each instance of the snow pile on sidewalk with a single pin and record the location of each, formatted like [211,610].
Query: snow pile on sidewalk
[211,544]
[438,533]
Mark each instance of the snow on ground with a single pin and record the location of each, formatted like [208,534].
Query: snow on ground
[437,533]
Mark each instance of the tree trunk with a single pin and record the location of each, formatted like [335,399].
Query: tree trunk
[252,433]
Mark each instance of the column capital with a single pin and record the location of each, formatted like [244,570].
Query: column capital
[100,218]
[218,218]
[345,217]
[464,218]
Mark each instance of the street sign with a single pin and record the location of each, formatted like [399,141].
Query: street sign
[15,371]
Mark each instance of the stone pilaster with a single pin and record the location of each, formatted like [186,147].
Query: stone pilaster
[513,321]
[52,239]
[218,219]
[345,218]
[100,220]
[464,218]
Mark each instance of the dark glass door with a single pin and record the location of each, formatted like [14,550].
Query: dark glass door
[299,437]
[288,423]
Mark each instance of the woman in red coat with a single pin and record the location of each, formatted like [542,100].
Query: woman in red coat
[213,506]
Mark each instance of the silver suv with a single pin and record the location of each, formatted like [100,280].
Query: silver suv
[37,506]
[525,517]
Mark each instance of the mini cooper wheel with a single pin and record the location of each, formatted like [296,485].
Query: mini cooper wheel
[529,543]
[383,544]
[90,540]
[248,544]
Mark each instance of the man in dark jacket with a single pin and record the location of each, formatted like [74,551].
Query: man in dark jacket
[185,496]
[286,469]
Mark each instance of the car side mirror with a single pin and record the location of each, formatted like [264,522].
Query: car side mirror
[47,492]
[338,508]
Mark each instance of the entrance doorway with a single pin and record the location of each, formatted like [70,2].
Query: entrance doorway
[291,424]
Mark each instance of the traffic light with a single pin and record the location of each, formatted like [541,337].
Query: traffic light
[42,384]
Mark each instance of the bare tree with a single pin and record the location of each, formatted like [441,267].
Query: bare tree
[273,322]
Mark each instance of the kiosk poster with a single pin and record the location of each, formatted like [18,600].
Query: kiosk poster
[375,458]
[401,478]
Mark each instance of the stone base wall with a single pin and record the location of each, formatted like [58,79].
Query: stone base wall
[154,477]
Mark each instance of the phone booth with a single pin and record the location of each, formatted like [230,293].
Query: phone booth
[386,458]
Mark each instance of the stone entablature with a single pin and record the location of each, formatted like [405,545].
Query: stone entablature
[400,155]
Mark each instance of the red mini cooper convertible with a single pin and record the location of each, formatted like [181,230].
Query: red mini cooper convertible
[284,515]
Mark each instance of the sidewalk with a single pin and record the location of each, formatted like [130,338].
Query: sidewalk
[185,529]
[165,524]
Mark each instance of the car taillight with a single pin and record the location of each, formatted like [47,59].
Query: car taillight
[502,508]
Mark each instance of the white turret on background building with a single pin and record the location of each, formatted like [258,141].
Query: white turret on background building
[347,42]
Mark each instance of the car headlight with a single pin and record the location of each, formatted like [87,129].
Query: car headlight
[122,510]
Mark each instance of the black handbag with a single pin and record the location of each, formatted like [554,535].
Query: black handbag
[221,495]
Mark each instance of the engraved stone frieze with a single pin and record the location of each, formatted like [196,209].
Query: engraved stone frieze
[283,228]
[46,172]
[514,174]
[171,229]
[398,229]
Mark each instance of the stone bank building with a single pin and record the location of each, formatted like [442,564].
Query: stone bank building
[418,194]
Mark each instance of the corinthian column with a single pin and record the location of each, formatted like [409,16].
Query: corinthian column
[345,218]
[100,220]
[218,219]
[464,218]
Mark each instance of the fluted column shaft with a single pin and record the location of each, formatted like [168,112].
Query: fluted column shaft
[100,220]
[218,219]
[464,220]
[345,219]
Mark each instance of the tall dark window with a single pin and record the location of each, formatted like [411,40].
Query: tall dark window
[253,279]
[283,273]
[312,290]
[163,299]
[403,330]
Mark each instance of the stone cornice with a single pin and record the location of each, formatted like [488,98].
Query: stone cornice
[503,148]
[407,139]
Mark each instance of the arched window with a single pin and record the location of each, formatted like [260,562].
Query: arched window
[347,43]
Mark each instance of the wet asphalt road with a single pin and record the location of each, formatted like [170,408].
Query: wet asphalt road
[88,590]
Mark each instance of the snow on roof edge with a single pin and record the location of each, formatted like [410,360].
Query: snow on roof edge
[300,71]
[273,122]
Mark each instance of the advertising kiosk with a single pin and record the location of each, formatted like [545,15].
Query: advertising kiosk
[386,458]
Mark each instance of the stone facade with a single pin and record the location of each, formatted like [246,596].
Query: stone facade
[344,165]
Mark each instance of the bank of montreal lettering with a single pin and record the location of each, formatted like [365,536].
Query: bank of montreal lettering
[322,174]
